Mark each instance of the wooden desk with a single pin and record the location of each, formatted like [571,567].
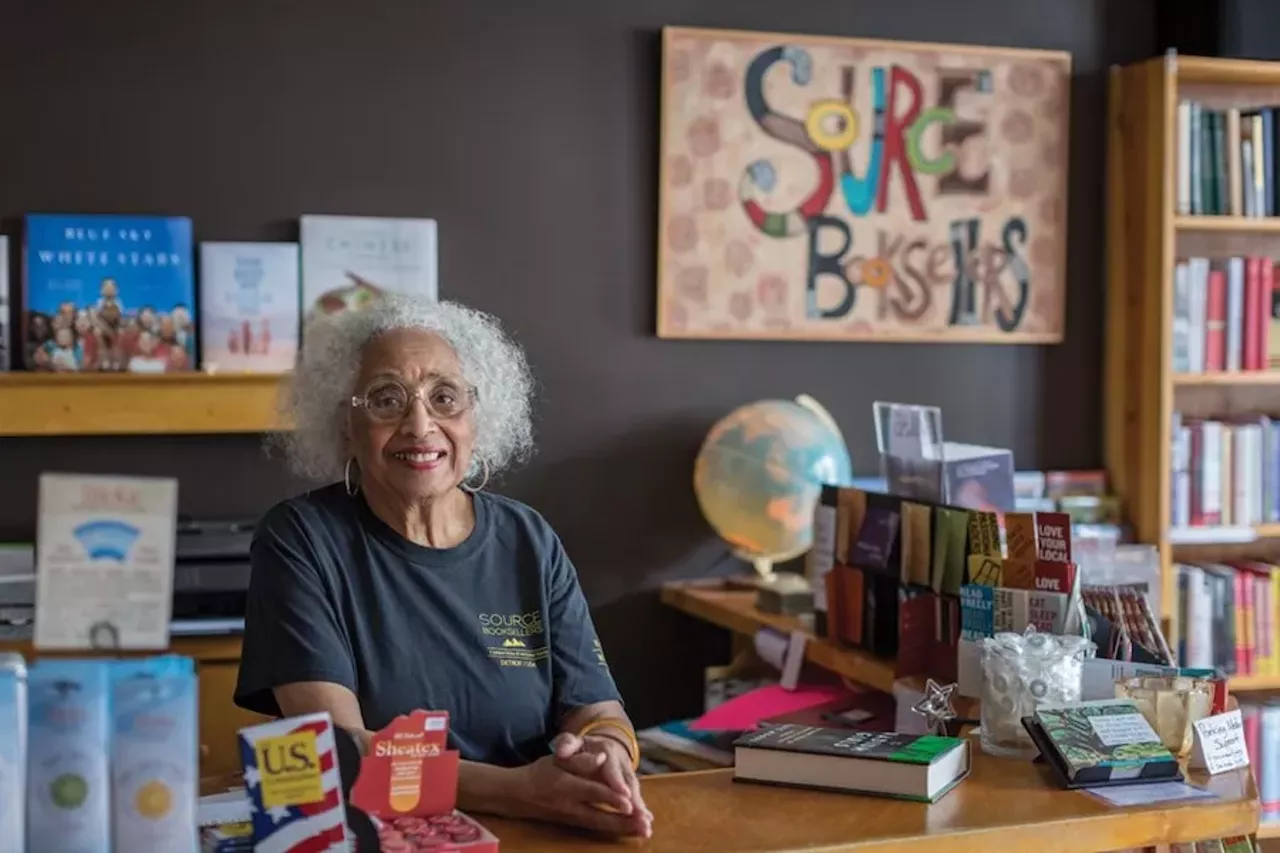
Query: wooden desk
[1002,806]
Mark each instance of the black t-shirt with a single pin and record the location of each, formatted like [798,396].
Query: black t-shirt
[495,631]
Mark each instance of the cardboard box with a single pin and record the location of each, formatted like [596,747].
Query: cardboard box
[408,784]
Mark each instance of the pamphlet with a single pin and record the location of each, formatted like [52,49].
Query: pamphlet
[1149,793]
[104,562]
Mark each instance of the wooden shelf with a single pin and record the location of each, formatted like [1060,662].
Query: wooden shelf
[1248,683]
[33,404]
[1223,535]
[1233,377]
[1215,71]
[1269,830]
[1146,236]
[736,611]
[1229,224]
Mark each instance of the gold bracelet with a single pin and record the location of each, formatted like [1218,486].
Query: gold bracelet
[632,745]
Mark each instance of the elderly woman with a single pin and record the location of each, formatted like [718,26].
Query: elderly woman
[404,585]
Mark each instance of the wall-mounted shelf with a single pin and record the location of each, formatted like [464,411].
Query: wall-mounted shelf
[34,404]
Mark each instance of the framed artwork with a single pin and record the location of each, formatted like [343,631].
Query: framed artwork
[818,188]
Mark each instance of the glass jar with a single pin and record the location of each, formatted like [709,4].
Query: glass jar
[1019,673]
[1171,704]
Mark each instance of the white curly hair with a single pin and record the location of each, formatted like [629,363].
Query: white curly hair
[316,399]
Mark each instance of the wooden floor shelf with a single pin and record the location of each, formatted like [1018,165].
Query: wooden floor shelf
[35,404]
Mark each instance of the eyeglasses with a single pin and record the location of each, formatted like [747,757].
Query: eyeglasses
[389,400]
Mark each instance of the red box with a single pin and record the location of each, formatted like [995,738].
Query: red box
[408,784]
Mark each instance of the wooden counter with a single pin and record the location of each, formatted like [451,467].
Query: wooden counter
[1003,806]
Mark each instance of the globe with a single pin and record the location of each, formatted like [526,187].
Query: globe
[759,473]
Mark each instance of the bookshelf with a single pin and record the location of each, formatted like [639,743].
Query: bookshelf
[1148,233]
[66,404]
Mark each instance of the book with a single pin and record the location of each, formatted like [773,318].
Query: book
[911,767]
[1098,743]
[348,262]
[979,478]
[6,360]
[249,313]
[105,292]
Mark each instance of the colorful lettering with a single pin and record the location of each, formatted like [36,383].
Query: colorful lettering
[896,121]
[760,176]
[860,193]
[821,263]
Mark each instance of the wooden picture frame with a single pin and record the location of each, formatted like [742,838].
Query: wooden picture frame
[777,221]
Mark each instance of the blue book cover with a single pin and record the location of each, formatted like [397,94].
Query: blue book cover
[977,611]
[106,292]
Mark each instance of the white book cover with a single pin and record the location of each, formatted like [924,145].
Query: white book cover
[249,306]
[6,338]
[349,261]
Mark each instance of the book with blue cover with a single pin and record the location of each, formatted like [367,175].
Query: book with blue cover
[108,292]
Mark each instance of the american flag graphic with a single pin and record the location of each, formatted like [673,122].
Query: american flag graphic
[313,827]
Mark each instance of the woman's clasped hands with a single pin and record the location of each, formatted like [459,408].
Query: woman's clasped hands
[588,781]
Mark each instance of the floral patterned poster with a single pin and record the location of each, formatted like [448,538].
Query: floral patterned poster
[844,189]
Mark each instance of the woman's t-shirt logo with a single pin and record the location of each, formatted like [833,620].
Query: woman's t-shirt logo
[514,639]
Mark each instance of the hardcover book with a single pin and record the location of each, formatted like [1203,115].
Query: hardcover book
[249,316]
[348,262]
[108,293]
[913,767]
[6,360]
[874,545]
[1102,742]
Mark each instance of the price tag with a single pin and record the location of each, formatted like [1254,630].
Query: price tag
[1219,743]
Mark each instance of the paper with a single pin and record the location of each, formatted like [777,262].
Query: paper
[104,562]
[1219,743]
[794,660]
[748,710]
[1149,793]
[1123,729]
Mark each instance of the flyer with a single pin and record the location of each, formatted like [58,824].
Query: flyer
[104,561]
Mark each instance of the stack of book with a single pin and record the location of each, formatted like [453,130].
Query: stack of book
[1224,315]
[1225,472]
[1226,161]
[1228,617]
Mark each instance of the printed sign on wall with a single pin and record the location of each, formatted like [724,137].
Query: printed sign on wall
[848,189]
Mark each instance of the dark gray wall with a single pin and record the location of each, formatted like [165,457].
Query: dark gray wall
[530,131]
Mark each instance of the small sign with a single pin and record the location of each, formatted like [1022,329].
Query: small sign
[794,659]
[104,562]
[1219,743]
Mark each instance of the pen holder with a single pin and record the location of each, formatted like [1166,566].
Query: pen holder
[1019,673]
[1172,705]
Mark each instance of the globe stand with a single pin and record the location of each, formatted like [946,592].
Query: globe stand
[764,568]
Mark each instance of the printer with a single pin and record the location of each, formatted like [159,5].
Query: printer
[211,569]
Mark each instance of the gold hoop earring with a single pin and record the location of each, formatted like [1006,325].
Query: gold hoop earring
[352,486]
[484,466]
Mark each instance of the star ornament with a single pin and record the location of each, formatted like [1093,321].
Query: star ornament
[935,706]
